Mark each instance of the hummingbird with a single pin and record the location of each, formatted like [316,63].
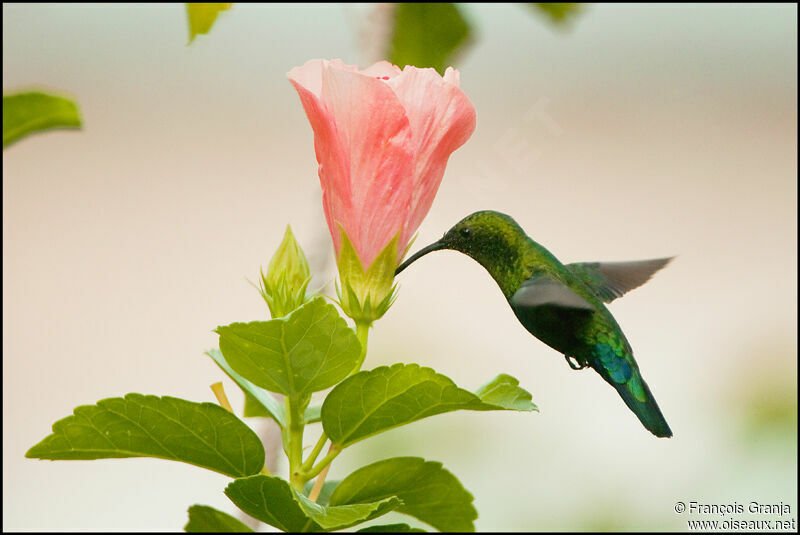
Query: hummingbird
[561,304]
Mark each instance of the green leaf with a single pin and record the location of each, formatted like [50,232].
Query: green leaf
[310,350]
[169,428]
[272,406]
[313,414]
[428,491]
[427,34]
[27,113]
[391,528]
[504,391]
[558,13]
[373,401]
[201,16]
[205,519]
[273,501]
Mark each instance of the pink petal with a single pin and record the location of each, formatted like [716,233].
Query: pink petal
[442,119]
[452,76]
[382,68]
[308,76]
[325,144]
[373,137]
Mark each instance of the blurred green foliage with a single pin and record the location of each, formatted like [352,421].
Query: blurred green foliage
[30,112]
[201,17]
[434,34]
[427,35]
[558,13]
[768,407]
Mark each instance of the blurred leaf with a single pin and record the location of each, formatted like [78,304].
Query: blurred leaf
[427,34]
[205,519]
[202,16]
[272,406]
[558,13]
[391,528]
[504,392]
[169,428]
[428,491]
[273,501]
[253,408]
[27,113]
[374,401]
[324,494]
[310,350]
[313,414]
[768,407]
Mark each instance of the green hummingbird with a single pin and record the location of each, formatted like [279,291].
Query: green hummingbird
[561,305]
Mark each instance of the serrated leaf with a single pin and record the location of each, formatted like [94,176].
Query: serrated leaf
[201,16]
[205,519]
[273,501]
[504,391]
[272,406]
[310,350]
[427,34]
[428,491]
[391,528]
[169,428]
[30,112]
[373,401]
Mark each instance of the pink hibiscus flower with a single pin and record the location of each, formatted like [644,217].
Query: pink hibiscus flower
[382,138]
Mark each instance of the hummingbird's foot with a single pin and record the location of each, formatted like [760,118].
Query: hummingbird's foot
[574,363]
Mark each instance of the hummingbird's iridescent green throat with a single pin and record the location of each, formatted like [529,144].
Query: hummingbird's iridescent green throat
[561,305]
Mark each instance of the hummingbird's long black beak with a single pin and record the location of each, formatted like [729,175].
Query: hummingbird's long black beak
[435,246]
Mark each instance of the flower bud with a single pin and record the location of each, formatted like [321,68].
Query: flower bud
[284,285]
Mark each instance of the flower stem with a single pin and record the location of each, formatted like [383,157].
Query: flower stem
[309,462]
[362,333]
[222,399]
[314,494]
[333,451]
[295,441]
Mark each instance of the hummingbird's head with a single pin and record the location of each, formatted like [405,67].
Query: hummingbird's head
[489,237]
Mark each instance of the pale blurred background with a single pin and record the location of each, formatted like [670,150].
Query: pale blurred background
[636,132]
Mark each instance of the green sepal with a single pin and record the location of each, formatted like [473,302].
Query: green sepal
[30,112]
[366,295]
[429,492]
[310,350]
[374,401]
[202,434]
[273,501]
[205,519]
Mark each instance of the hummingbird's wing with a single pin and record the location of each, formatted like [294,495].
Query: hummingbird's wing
[609,280]
[543,291]
[552,312]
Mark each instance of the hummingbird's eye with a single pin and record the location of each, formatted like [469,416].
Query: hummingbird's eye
[466,232]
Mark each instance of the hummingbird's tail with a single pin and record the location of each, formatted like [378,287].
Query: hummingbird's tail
[633,392]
